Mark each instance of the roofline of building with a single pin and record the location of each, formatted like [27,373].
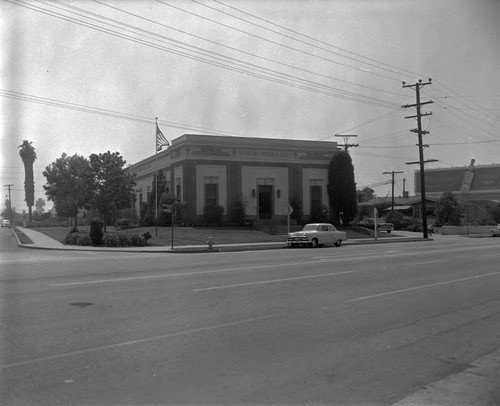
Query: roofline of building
[240,142]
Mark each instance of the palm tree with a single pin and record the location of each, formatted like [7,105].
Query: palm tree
[28,155]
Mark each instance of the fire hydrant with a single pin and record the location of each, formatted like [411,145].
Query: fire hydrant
[211,243]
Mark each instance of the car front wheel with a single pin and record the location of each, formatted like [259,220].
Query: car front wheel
[338,243]
[314,243]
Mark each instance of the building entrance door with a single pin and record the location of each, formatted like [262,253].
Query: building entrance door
[265,202]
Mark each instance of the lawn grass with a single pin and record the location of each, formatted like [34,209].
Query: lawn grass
[195,236]
[182,235]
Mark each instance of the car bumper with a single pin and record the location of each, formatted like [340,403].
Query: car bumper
[298,242]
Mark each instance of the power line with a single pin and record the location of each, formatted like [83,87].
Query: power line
[271,41]
[316,40]
[460,98]
[245,52]
[214,58]
[103,112]
[367,122]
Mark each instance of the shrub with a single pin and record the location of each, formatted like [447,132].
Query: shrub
[414,227]
[96,233]
[237,212]
[111,240]
[126,239]
[129,214]
[76,238]
[137,240]
[123,240]
[147,235]
[213,215]
[122,223]
[70,238]
[83,239]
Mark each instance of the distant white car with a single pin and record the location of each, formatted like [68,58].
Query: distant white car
[316,234]
[5,223]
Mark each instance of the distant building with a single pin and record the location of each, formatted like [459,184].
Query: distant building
[265,173]
[408,205]
[470,183]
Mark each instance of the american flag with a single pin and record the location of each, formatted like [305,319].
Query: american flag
[161,141]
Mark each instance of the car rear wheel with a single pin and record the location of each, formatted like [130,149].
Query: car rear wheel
[338,243]
[314,243]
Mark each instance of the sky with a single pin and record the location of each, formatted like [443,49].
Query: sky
[83,77]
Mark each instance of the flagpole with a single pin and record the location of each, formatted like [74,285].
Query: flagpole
[156,181]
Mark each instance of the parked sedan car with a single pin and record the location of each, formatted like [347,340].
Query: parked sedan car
[495,232]
[316,234]
[5,223]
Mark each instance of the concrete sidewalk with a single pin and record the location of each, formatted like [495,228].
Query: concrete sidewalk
[30,238]
[477,385]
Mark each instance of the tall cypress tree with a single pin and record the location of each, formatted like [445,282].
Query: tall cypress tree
[342,188]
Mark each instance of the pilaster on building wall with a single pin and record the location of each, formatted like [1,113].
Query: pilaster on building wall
[264,173]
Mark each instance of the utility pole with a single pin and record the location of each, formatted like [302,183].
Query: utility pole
[389,173]
[346,144]
[417,86]
[10,204]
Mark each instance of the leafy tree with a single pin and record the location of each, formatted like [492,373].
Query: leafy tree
[6,211]
[342,188]
[39,205]
[112,185]
[447,210]
[148,214]
[69,184]
[364,195]
[28,155]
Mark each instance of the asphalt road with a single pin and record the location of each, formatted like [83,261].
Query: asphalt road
[357,325]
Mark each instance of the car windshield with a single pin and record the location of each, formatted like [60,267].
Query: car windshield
[310,227]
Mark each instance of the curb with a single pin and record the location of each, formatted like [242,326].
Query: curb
[25,242]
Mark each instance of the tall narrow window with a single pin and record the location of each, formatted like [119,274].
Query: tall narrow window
[211,194]
[211,191]
[316,198]
[178,190]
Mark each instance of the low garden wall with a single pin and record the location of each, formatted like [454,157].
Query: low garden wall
[465,230]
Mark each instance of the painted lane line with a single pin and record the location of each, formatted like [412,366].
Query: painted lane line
[350,259]
[171,275]
[238,285]
[427,262]
[139,341]
[395,292]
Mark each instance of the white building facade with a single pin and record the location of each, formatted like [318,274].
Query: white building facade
[264,173]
